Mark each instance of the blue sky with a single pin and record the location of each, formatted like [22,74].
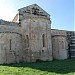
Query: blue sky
[61,11]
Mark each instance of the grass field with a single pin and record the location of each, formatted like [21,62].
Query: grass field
[56,67]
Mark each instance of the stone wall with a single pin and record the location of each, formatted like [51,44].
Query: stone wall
[7,23]
[10,48]
[59,44]
[35,28]
[10,42]
[36,31]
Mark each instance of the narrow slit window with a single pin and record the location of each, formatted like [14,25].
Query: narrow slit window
[10,44]
[27,39]
[43,40]
[62,43]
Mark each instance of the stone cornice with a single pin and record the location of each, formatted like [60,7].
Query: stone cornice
[11,32]
[59,35]
[33,16]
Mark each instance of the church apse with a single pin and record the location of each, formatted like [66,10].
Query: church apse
[35,23]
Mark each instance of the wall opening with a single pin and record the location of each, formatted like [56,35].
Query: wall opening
[62,44]
[27,41]
[10,44]
[43,40]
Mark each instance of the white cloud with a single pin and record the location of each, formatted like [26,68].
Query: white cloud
[6,13]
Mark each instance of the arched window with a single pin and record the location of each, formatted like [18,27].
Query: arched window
[27,40]
[62,44]
[43,40]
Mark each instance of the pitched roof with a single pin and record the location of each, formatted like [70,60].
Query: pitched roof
[34,6]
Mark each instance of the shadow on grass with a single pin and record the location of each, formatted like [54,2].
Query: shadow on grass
[57,66]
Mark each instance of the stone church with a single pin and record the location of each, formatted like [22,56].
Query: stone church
[29,38]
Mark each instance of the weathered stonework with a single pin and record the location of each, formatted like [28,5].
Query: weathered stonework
[34,26]
[71,43]
[59,44]
[29,38]
[10,48]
